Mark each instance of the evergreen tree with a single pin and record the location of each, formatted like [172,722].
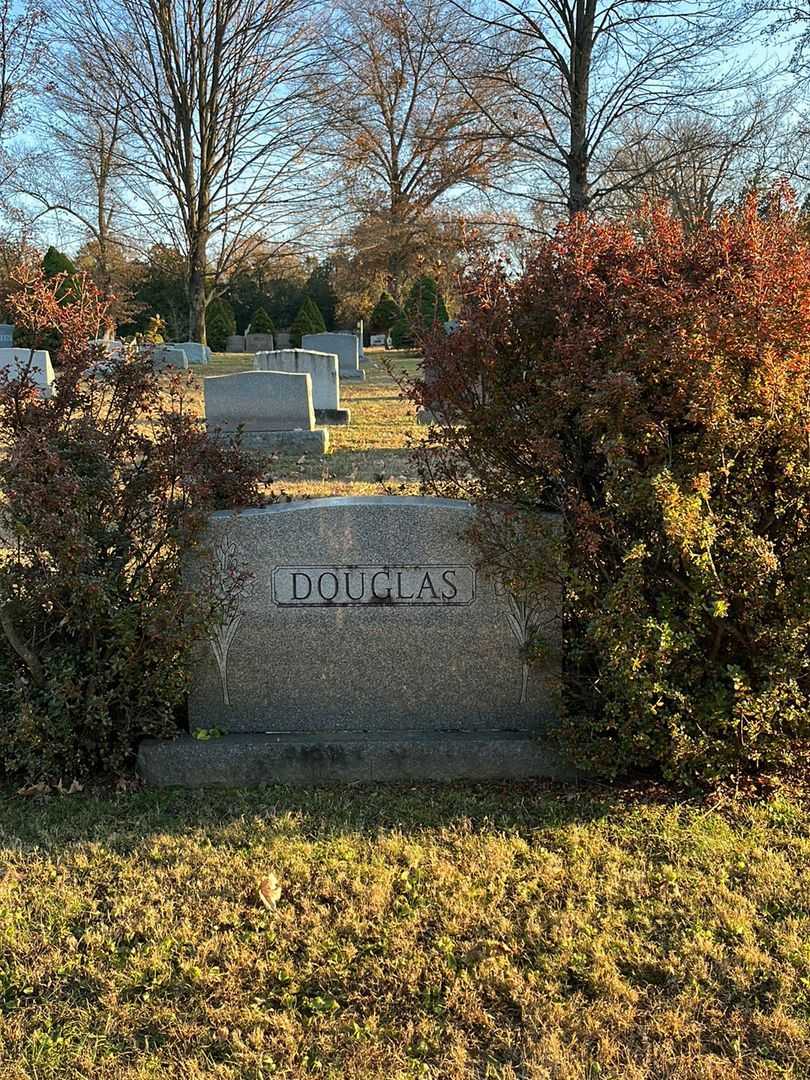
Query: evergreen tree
[320,286]
[401,334]
[55,262]
[316,321]
[300,326]
[261,323]
[308,321]
[385,314]
[220,323]
[424,308]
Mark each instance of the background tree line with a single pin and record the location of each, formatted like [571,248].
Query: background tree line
[266,151]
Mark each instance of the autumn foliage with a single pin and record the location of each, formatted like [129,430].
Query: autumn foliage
[651,387]
[104,489]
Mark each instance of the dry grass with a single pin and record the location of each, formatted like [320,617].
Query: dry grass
[455,933]
[370,452]
[449,933]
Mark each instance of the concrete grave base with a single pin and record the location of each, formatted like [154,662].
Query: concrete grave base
[334,417]
[352,376]
[287,442]
[347,757]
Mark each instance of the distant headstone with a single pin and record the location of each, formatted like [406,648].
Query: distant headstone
[378,341]
[109,347]
[361,642]
[165,356]
[345,346]
[195,352]
[236,343]
[283,340]
[6,335]
[323,371]
[259,343]
[271,409]
[17,361]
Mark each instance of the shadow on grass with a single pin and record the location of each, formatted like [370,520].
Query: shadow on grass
[126,819]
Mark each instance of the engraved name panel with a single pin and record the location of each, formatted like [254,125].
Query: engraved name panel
[380,586]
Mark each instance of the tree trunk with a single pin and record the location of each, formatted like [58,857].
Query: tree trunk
[579,194]
[196,298]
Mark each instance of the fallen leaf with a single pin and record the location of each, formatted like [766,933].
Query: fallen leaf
[269,891]
[34,789]
[74,789]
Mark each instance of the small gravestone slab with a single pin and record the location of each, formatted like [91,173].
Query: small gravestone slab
[37,362]
[360,641]
[236,343]
[322,369]
[109,347]
[195,352]
[6,335]
[345,346]
[259,343]
[168,356]
[269,409]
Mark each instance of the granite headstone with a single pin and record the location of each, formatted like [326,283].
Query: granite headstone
[37,362]
[195,352]
[270,410]
[323,371]
[345,346]
[366,614]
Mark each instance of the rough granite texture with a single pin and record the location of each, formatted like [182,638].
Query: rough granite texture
[345,346]
[322,369]
[316,758]
[366,614]
[259,401]
[37,362]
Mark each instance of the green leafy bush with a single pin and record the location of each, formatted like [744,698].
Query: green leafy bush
[653,388]
[104,490]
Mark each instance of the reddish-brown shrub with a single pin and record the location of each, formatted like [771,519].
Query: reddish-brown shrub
[103,492]
[653,388]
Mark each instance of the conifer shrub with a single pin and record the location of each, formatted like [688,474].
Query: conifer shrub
[316,321]
[220,324]
[424,308]
[309,320]
[385,314]
[104,490]
[261,323]
[650,387]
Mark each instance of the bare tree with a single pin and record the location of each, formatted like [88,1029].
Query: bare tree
[78,174]
[575,75]
[213,125]
[22,46]
[404,133]
[699,165]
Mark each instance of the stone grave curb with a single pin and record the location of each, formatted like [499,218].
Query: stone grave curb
[288,442]
[244,760]
[334,417]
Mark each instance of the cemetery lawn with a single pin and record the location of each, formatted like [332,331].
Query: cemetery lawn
[510,932]
[369,456]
